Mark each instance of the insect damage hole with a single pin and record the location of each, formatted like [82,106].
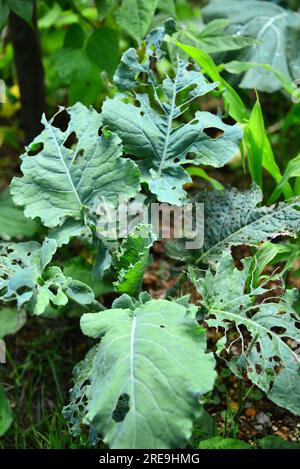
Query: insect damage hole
[122,408]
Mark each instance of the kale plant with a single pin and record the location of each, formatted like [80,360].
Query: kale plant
[142,384]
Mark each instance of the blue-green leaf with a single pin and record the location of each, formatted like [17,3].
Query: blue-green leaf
[60,182]
[141,387]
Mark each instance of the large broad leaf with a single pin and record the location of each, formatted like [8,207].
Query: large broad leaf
[26,278]
[71,64]
[276,29]
[131,259]
[62,179]
[213,38]
[6,416]
[159,140]
[141,387]
[135,16]
[260,337]
[103,49]
[232,218]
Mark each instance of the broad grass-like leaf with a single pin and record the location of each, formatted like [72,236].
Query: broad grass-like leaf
[140,388]
[267,351]
[26,278]
[232,218]
[131,259]
[277,31]
[6,416]
[235,106]
[60,182]
[159,142]
[292,170]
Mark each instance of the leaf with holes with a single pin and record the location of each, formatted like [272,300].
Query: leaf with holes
[131,259]
[159,141]
[144,392]
[232,218]
[266,335]
[26,278]
[60,182]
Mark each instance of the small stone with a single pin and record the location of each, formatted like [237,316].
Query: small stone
[259,428]
[264,420]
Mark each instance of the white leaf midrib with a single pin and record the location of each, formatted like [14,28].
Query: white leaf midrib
[49,127]
[169,124]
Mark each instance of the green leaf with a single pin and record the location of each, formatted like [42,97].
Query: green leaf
[140,388]
[22,8]
[168,7]
[158,139]
[68,230]
[11,320]
[6,416]
[264,353]
[195,171]
[275,442]
[135,17]
[86,88]
[72,64]
[13,224]
[103,49]
[74,37]
[224,43]
[105,7]
[255,140]
[131,259]
[269,163]
[235,105]
[26,278]
[277,31]
[80,293]
[61,182]
[235,66]
[213,37]
[219,442]
[214,28]
[79,270]
[232,218]
[4,12]
[292,170]
[265,255]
